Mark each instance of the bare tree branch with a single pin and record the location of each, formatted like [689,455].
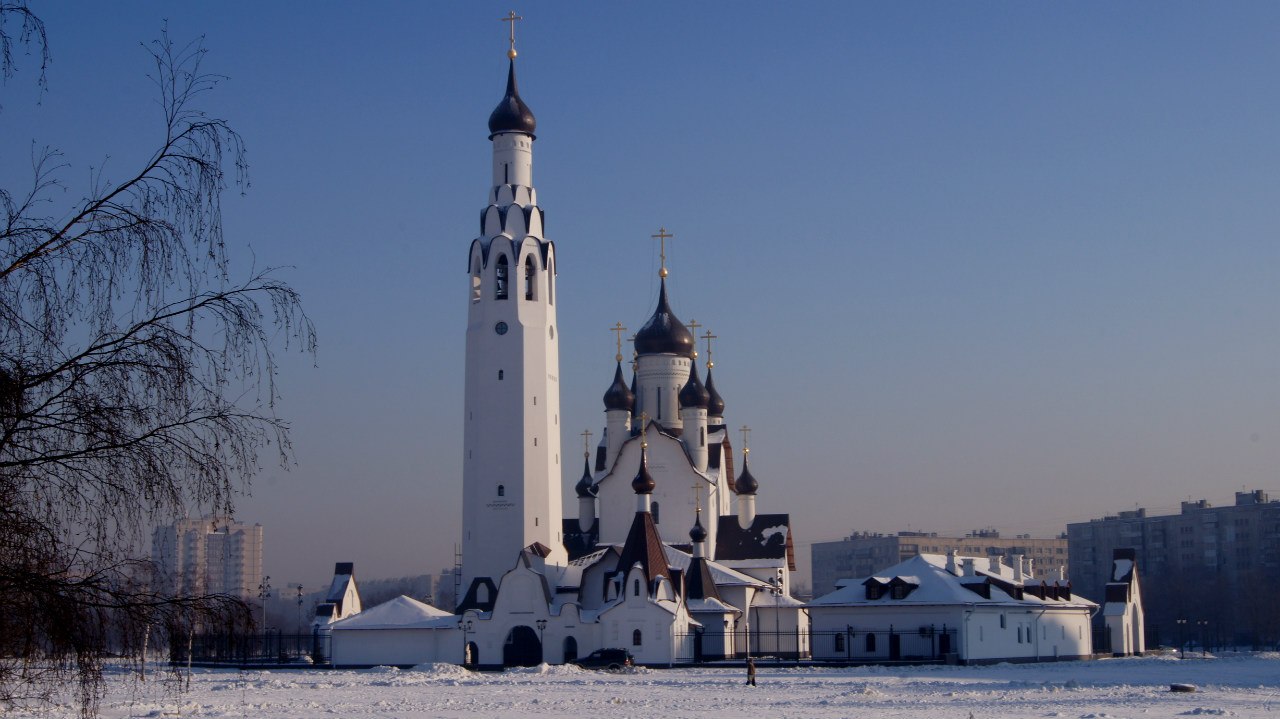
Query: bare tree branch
[136,384]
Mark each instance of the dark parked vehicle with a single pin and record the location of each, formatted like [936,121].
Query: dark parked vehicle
[615,660]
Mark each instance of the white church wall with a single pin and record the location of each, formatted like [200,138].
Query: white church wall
[983,634]
[673,479]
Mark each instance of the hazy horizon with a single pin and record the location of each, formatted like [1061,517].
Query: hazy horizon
[1005,266]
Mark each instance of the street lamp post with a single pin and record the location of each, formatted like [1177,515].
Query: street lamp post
[299,610]
[542,650]
[1182,637]
[264,593]
[776,590]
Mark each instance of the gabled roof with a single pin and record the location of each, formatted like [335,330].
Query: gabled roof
[399,613]
[644,547]
[768,537]
[343,576]
[722,575]
[699,583]
[936,585]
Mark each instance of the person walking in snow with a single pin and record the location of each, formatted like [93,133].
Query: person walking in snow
[751,671]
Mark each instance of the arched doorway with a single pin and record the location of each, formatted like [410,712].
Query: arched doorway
[472,656]
[570,649]
[522,648]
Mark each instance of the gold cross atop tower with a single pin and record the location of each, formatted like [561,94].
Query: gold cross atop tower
[708,337]
[697,497]
[662,238]
[511,18]
[693,326]
[619,329]
[746,434]
[644,439]
[586,443]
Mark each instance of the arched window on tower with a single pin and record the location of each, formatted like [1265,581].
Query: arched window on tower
[475,281]
[502,490]
[551,282]
[636,638]
[500,275]
[529,277]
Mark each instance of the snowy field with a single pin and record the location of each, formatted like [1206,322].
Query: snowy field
[1246,685]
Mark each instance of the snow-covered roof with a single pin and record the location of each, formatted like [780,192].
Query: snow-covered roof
[723,576]
[711,605]
[933,584]
[769,599]
[399,613]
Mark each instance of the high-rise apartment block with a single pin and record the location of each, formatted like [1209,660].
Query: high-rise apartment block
[1206,566]
[864,553]
[208,556]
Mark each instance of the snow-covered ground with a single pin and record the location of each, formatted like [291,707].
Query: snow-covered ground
[1246,685]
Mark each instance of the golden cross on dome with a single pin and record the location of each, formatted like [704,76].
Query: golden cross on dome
[708,337]
[697,497]
[662,238]
[619,329]
[511,18]
[693,326]
[586,443]
[644,439]
[746,433]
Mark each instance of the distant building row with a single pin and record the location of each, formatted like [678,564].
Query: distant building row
[864,554]
[1212,573]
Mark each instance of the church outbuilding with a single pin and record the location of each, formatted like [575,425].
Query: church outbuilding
[959,609]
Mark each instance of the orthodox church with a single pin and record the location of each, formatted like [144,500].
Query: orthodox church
[668,557]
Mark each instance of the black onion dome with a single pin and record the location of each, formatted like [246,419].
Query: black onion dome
[745,483]
[698,534]
[511,114]
[585,487]
[664,333]
[643,483]
[618,396]
[715,403]
[694,394]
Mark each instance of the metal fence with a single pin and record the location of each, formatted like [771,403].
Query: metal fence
[240,648]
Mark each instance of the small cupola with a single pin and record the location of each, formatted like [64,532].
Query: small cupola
[619,396]
[698,534]
[664,333]
[643,482]
[746,482]
[511,114]
[694,394]
[715,403]
[585,486]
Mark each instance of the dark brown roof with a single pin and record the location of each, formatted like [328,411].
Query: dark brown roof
[700,584]
[644,546]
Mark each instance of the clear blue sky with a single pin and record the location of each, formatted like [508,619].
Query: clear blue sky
[997,264]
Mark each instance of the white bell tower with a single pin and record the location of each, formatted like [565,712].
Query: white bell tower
[511,460]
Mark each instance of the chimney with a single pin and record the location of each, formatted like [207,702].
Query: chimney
[969,571]
[1017,568]
[951,561]
[993,564]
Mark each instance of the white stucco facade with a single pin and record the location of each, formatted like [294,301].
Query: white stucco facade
[929,608]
